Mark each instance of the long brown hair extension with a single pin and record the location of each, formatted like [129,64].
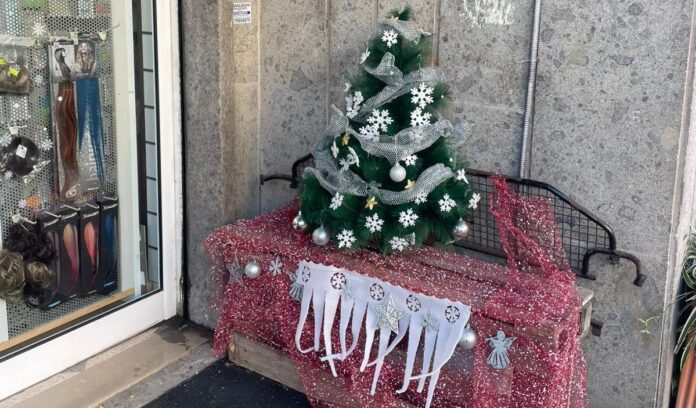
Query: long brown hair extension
[66,125]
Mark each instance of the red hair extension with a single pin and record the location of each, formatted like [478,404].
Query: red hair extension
[66,125]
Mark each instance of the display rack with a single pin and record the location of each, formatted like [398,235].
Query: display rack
[30,115]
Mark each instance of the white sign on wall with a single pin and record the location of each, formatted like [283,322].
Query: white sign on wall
[241,13]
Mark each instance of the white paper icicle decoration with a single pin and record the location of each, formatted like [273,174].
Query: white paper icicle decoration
[367,301]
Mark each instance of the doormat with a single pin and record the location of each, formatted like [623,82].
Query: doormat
[226,385]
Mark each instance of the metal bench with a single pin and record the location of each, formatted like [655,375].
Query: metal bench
[583,234]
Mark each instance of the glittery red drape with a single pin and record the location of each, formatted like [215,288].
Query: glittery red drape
[532,298]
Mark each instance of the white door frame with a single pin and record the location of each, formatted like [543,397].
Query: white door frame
[66,350]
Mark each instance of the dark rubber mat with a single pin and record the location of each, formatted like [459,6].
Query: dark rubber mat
[225,385]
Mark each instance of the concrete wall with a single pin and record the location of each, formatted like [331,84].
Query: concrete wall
[607,126]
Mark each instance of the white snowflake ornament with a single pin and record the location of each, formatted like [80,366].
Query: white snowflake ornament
[380,119]
[364,56]
[370,132]
[410,160]
[39,29]
[461,176]
[446,203]
[408,218]
[349,160]
[473,203]
[345,239]
[22,203]
[398,244]
[8,175]
[5,140]
[353,104]
[420,118]
[374,223]
[276,267]
[422,95]
[353,157]
[390,37]
[336,201]
[430,322]
[334,150]
[421,198]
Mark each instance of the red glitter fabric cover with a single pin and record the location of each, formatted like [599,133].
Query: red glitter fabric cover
[533,298]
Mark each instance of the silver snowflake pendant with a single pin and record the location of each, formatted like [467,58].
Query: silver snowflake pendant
[430,322]
[388,315]
[275,267]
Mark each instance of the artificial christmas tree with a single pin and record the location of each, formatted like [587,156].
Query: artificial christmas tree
[388,171]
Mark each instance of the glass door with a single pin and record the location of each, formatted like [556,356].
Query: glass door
[80,176]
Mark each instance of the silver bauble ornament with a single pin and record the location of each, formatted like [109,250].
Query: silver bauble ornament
[461,230]
[397,173]
[468,339]
[298,223]
[321,236]
[252,270]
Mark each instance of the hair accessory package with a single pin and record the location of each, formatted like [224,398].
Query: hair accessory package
[50,226]
[14,64]
[69,284]
[89,115]
[108,245]
[77,117]
[21,157]
[89,247]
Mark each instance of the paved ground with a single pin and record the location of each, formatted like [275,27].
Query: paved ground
[225,385]
[170,365]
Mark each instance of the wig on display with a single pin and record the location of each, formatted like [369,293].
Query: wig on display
[30,242]
[39,278]
[12,276]
[66,127]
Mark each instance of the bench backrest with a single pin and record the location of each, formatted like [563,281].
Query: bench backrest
[583,234]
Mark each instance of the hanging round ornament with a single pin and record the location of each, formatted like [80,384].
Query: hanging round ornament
[321,236]
[397,173]
[298,223]
[461,230]
[468,339]
[252,270]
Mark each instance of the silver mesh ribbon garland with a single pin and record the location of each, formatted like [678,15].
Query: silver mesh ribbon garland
[348,183]
[407,142]
[397,84]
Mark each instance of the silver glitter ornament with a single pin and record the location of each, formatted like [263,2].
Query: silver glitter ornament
[397,173]
[388,315]
[252,270]
[321,236]
[235,270]
[461,230]
[298,223]
[468,339]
